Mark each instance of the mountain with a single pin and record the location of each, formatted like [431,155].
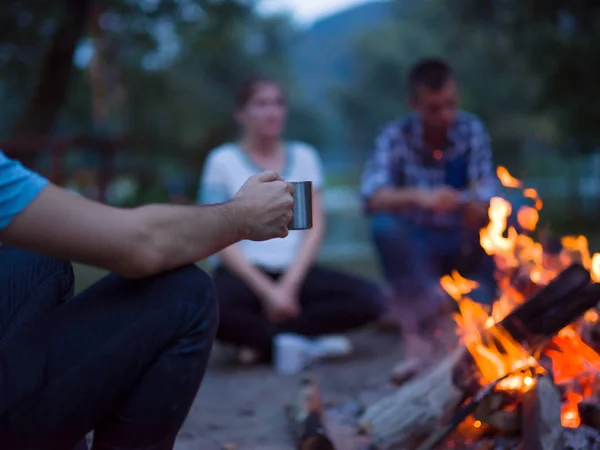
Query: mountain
[323,55]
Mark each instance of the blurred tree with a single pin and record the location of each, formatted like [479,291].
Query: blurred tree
[42,34]
[495,83]
[560,39]
[161,72]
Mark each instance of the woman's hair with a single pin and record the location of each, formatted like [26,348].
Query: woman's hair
[249,87]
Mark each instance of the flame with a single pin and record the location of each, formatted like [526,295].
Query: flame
[494,350]
[532,194]
[528,218]
[569,411]
[507,179]
[595,268]
[519,256]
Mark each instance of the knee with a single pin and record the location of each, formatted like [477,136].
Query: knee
[389,228]
[383,225]
[193,288]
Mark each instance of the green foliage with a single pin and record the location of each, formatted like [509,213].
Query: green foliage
[560,40]
[175,64]
[496,84]
[323,58]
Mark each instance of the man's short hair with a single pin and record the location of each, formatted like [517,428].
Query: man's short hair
[429,73]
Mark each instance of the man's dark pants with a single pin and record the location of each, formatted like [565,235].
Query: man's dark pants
[124,358]
[414,258]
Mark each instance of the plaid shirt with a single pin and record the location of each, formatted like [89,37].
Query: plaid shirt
[402,159]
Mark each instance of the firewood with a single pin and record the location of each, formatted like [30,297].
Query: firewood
[405,370]
[415,410]
[590,332]
[494,413]
[463,412]
[589,412]
[541,410]
[552,308]
[305,417]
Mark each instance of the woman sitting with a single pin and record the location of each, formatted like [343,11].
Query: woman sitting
[270,289]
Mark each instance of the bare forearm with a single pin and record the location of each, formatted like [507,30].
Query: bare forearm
[237,263]
[150,239]
[179,235]
[393,199]
[132,242]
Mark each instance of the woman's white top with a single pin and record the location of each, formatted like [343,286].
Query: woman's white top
[227,167]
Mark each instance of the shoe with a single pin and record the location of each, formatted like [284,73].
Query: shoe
[292,353]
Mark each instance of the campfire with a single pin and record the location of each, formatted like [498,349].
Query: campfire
[526,374]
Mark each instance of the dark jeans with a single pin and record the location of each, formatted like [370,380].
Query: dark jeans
[415,258]
[124,358]
[331,302]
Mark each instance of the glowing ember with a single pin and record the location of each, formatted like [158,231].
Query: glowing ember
[493,349]
[569,412]
[591,316]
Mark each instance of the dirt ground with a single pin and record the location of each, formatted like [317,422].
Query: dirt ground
[243,407]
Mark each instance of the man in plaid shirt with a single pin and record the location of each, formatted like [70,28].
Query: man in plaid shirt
[428,184]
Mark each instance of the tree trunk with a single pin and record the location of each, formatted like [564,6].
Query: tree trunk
[40,114]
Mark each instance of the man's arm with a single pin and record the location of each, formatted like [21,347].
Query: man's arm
[377,184]
[150,239]
[213,189]
[394,199]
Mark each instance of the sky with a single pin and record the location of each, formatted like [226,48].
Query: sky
[303,11]
[307,11]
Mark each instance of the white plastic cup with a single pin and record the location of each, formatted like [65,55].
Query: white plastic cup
[291,354]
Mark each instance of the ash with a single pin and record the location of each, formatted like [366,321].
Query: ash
[582,438]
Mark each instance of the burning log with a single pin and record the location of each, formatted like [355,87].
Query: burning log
[553,307]
[494,412]
[475,402]
[305,416]
[590,329]
[415,410]
[589,411]
[541,406]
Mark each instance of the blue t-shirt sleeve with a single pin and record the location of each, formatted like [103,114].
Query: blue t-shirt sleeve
[18,187]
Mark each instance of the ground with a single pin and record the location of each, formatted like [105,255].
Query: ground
[244,407]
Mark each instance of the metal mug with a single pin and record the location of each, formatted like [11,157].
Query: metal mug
[303,206]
